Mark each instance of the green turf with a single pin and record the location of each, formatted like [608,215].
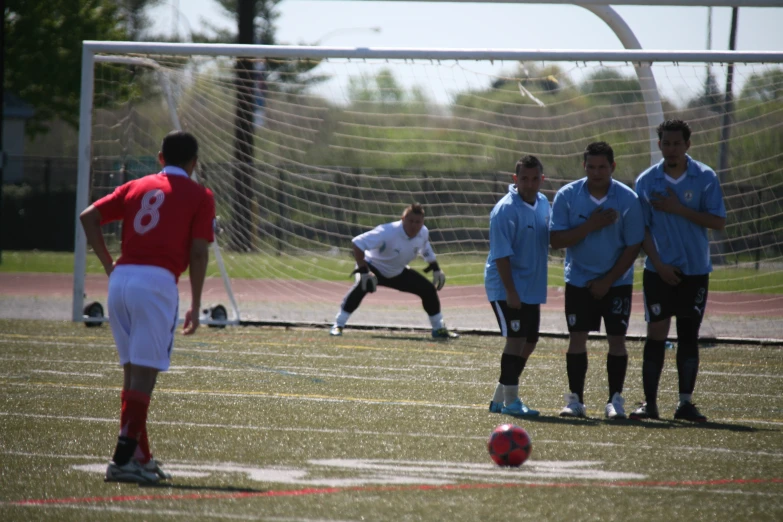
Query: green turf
[461,270]
[298,402]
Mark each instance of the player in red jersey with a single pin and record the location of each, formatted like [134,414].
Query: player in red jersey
[168,222]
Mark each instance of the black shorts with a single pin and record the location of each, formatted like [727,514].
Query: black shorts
[687,299]
[518,322]
[584,312]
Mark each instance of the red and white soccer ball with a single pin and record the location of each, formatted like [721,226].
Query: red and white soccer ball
[509,445]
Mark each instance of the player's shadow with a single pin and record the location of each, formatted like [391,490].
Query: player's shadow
[417,338]
[668,424]
[546,419]
[191,487]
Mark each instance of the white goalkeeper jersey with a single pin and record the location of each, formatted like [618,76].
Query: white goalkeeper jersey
[389,249]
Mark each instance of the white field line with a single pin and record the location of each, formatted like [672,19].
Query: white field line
[589,444]
[308,369]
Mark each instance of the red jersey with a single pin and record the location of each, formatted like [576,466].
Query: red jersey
[161,215]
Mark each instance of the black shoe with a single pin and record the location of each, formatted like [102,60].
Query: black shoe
[687,411]
[645,411]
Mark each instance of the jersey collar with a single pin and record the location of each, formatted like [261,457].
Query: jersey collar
[690,170]
[176,171]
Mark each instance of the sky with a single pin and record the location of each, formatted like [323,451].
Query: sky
[363,23]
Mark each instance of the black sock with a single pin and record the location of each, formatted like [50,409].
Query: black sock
[125,449]
[576,367]
[616,365]
[687,366]
[652,366]
[510,369]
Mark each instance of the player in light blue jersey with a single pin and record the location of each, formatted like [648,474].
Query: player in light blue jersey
[515,278]
[681,199]
[598,220]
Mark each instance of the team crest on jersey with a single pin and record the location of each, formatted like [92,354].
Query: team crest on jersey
[688,194]
[571,319]
[515,325]
[655,309]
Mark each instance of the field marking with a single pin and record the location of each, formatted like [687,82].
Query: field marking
[687,484]
[322,398]
[340,431]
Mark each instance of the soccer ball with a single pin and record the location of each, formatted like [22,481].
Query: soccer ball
[509,445]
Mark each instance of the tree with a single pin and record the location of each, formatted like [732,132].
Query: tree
[712,97]
[611,84]
[43,53]
[765,87]
[132,15]
[381,88]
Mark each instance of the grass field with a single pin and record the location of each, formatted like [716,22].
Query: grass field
[464,270]
[292,425]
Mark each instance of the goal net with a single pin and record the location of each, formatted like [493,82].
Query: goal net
[305,149]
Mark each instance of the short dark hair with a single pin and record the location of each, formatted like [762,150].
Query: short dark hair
[528,162]
[413,208]
[179,148]
[599,148]
[674,126]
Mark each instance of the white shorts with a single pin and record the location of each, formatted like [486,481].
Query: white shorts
[143,308]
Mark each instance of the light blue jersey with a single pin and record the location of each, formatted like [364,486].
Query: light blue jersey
[595,255]
[680,242]
[519,231]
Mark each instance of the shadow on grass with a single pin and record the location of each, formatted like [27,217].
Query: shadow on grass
[667,424]
[544,419]
[190,487]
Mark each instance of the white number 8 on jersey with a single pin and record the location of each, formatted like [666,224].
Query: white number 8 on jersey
[150,204]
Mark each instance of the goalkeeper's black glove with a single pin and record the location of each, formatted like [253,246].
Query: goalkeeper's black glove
[366,279]
[438,277]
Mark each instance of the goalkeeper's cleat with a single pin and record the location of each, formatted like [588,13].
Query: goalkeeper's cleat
[153,466]
[687,411]
[518,409]
[444,333]
[336,331]
[130,472]
[645,411]
[495,407]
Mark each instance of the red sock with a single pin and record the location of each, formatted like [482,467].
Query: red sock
[142,453]
[133,419]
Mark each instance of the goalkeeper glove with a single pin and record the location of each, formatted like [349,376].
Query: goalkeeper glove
[438,277]
[366,279]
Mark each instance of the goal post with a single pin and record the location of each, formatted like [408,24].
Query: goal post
[345,138]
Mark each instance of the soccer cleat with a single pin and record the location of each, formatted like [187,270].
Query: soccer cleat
[336,331]
[687,411]
[573,408]
[518,409]
[645,411]
[444,333]
[153,466]
[495,407]
[130,472]
[614,408]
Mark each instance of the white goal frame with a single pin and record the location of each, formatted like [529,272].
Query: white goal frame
[93,51]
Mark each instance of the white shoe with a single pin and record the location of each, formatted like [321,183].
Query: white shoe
[130,472]
[153,466]
[614,408]
[573,408]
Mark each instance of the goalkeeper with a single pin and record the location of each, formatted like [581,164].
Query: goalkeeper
[382,257]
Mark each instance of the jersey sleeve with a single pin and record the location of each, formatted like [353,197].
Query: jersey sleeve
[501,236]
[633,222]
[427,252]
[111,207]
[712,198]
[370,240]
[560,220]
[204,221]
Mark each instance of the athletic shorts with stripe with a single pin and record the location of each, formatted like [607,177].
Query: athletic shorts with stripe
[521,322]
[687,299]
[584,312]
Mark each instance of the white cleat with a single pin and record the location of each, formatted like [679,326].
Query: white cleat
[615,408]
[573,408]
